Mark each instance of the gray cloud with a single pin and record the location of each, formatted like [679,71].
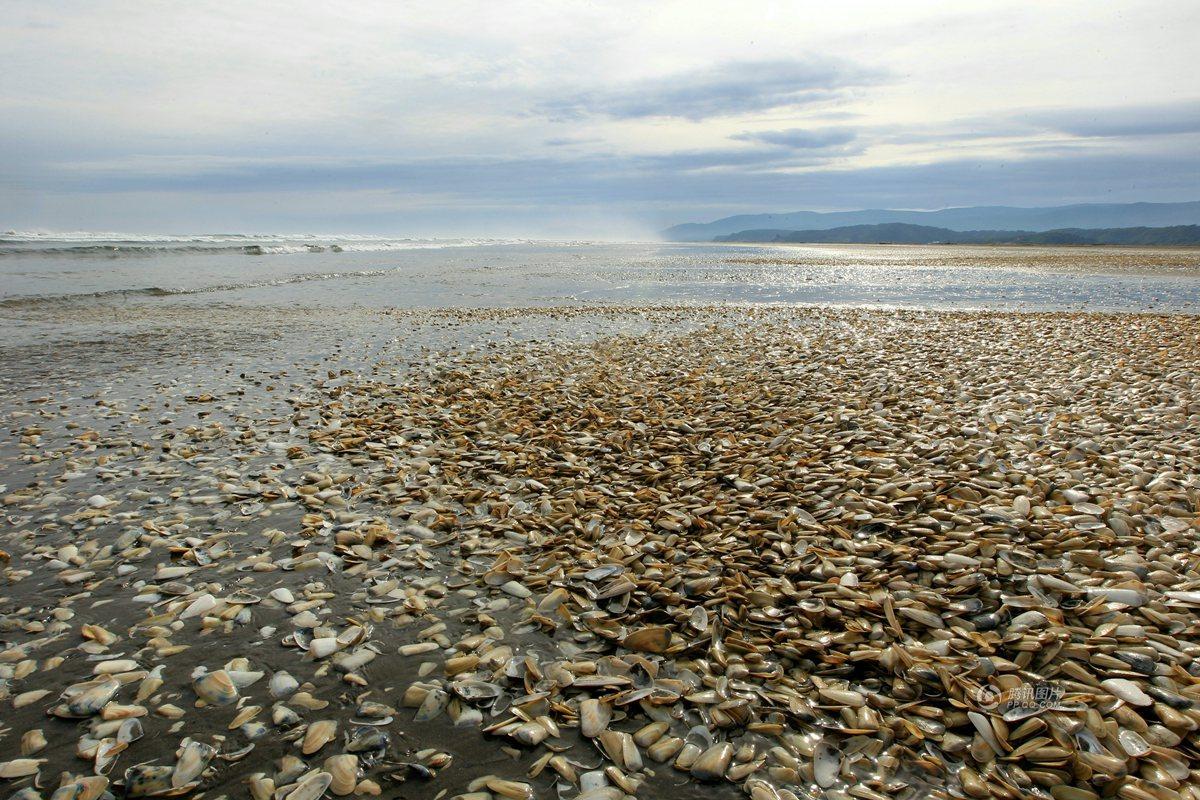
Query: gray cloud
[1133,120]
[766,178]
[565,141]
[716,158]
[801,138]
[549,194]
[1102,122]
[472,175]
[738,87]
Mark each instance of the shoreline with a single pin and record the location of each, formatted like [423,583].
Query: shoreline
[1186,248]
[165,323]
[1153,248]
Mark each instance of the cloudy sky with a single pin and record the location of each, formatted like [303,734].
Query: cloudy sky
[564,119]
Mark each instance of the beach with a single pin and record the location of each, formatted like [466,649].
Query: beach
[529,520]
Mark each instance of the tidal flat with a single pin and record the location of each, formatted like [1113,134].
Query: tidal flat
[599,551]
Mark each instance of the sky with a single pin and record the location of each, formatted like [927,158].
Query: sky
[567,119]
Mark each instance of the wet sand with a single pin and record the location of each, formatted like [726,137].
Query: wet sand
[816,535]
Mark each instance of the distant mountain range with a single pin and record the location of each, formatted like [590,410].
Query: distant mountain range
[975,218]
[903,233]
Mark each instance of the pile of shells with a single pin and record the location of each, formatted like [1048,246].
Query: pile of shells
[835,552]
[791,553]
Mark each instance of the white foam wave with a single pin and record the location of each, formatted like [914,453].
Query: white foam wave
[110,244]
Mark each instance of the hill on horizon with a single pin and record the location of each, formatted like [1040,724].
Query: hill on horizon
[904,233]
[972,218]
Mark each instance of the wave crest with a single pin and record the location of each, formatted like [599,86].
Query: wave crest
[112,245]
[28,301]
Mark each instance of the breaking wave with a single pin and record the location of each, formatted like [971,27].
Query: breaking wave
[28,301]
[115,245]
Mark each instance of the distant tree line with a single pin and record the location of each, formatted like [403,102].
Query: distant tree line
[904,233]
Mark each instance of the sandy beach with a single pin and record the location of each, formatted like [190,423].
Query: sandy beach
[605,550]
[600,401]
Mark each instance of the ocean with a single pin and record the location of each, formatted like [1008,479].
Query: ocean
[42,271]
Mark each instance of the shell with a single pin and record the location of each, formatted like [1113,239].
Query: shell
[344,771]
[310,788]
[107,752]
[20,767]
[1133,744]
[826,764]
[201,605]
[32,741]
[650,639]
[432,705]
[216,688]
[473,691]
[283,685]
[510,790]
[318,735]
[594,716]
[150,684]
[87,699]
[320,648]
[261,787]
[150,780]
[130,731]
[89,787]
[1127,690]
[193,759]
[713,762]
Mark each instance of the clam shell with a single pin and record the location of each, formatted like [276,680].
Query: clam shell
[310,788]
[283,685]
[650,639]
[201,605]
[594,716]
[713,762]
[283,595]
[327,646]
[107,752]
[193,759]
[216,688]
[826,764]
[244,678]
[150,780]
[476,691]
[343,770]
[261,787]
[90,787]
[843,697]
[432,705]
[318,734]
[20,767]
[665,749]
[620,749]
[510,790]
[32,741]
[87,699]
[1133,744]
[130,731]
[1127,690]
